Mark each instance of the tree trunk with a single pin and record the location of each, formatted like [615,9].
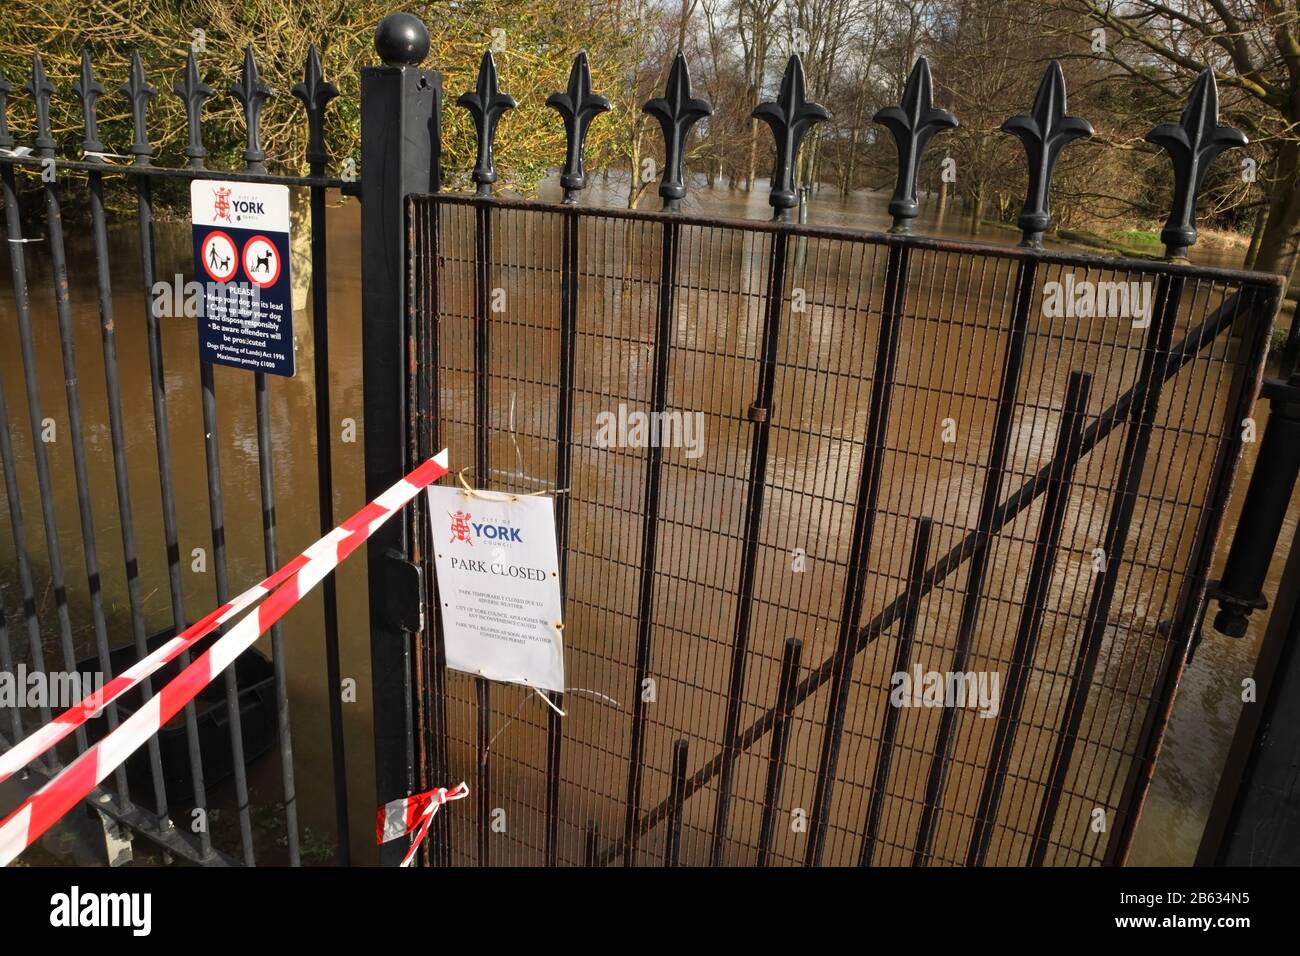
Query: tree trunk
[942,206]
[1256,236]
[850,163]
[634,178]
[976,210]
[753,156]
[1280,244]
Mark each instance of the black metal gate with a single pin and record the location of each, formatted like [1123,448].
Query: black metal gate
[916,456]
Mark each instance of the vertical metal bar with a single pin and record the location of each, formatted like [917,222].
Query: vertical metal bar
[864,519]
[1136,439]
[984,528]
[325,505]
[428,383]
[590,845]
[171,534]
[649,534]
[216,512]
[24,566]
[482,339]
[554,739]
[790,658]
[266,480]
[118,442]
[7,665]
[1042,564]
[420,530]
[563,479]
[483,798]
[63,313]
[316,93]
[760,413]
[16,526]
[400,110]
[421,538]
[1187,618]
[17,262]
[673,841]
[902,660]
[482,392]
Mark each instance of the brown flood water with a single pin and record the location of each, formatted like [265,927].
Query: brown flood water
[1204,718]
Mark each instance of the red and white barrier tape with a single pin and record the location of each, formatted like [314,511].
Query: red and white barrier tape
[45,737]
[399,817]
[44,808]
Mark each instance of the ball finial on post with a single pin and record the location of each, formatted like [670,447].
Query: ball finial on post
[402,39]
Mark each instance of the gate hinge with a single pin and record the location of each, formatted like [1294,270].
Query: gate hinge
[403,594]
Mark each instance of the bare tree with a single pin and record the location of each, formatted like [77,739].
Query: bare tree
[1254,48]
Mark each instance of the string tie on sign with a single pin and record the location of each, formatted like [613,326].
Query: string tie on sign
[472,492]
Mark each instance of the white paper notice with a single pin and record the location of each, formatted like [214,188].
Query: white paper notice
[499,586]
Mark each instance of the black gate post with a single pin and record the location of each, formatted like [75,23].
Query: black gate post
[1253,820]
[400,140]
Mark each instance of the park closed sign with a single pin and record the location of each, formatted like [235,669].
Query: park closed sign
[241,258]
[499,585]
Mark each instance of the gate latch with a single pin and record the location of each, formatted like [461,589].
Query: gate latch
[403,593]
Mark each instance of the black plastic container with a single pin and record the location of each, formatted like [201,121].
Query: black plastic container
[257,719]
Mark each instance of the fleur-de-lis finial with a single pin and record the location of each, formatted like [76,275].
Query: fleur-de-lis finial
[913,123]
[790,116]
[253,94]
[6,138]
[88,90]
[486,103]
[193,91]
[578,106]
[41,91]
[315,92]
[1192,145]
[677,111]
[139,92]
[1044,133]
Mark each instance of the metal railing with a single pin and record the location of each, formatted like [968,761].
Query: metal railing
[64,170]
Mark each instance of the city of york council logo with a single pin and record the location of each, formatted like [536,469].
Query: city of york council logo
[460,527]
[221,205]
